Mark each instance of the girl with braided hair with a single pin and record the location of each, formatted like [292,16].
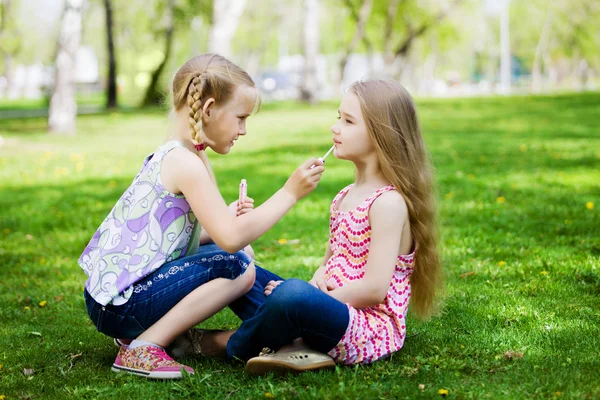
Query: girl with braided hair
[148,277]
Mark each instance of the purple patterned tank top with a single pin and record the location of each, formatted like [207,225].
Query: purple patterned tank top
[148,227]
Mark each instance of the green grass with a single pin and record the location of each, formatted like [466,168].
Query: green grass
[520,241]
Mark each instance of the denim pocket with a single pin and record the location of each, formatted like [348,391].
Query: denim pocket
[110,322]
[116,325]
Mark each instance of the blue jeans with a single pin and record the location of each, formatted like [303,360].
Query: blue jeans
[160,291]
[295,309]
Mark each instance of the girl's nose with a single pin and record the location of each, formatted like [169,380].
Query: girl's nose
[334,129]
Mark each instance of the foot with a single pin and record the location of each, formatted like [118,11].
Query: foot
[150,362]
[206,342]
[289,361]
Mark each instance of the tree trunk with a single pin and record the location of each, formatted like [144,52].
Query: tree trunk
[10,44]
[505,57]
[63,108]
[226,18]
[359,34]
[308,92]
[153,94]
[536,73]
[111,89]
[388,56]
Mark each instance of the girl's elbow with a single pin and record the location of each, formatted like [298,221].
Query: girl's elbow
[377,296]
[227,243]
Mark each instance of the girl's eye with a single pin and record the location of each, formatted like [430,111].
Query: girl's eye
[348,121]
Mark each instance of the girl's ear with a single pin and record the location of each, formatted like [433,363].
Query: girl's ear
[207,108]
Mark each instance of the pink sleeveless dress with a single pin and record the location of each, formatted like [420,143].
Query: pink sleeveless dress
[377,331]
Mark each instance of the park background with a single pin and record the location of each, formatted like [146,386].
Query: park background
[507,93]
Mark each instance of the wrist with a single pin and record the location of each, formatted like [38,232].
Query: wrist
[288,196]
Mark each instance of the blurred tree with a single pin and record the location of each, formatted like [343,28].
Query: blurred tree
[111,88]
[257,39]
[405,22]
[308,91]
[63,108]
[224,23]
[559,42]
[360,12]
[10,39]
[153,94]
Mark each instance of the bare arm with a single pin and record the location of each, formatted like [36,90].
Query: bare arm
[185,173]
[387,217]
[318,279]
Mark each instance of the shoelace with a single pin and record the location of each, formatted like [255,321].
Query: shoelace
[160,353]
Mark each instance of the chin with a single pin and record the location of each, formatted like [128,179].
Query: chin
[223,151]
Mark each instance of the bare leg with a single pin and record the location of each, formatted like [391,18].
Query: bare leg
[197,306]
[214,344]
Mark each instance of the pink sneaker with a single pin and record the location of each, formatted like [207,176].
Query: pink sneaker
[150,362]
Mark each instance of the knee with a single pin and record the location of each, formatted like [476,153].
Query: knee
[290,295]
[249,251]
[247,278]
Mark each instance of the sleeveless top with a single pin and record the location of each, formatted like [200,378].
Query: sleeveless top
[148,227]
[376,331]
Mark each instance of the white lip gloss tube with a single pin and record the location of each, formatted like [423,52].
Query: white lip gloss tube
[243,191]
[324,157]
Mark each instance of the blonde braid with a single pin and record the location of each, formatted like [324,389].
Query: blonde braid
[194,102]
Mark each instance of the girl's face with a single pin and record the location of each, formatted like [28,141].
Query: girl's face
[350,134]
[224,124]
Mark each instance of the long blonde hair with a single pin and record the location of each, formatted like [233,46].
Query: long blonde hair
[394,129]
[201,78]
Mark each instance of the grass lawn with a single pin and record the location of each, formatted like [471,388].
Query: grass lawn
[519,197]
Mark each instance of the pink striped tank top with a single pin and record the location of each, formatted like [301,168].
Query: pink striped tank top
[377,331]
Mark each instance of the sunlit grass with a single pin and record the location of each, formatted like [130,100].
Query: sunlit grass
[519,194]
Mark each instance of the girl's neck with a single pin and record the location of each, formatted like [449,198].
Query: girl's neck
[369,173]
[179,130]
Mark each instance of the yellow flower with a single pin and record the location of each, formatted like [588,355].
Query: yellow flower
[61,171]
[282,241]
[544,272]
[43,303]
[500,200]
[449,195]
[2,397]
[443,392]
[589,205]
[43,261]
[269,395]
[26,308]
[75,157]
[502,263]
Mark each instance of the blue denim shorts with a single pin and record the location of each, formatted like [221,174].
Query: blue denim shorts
[156,294]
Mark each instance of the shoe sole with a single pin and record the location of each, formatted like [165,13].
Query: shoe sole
[261,366]
[150,375]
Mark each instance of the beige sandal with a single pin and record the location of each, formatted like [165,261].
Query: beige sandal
[292,361]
